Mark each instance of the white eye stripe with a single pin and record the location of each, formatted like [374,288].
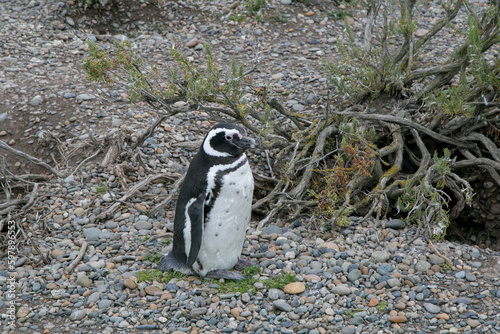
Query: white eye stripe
[209,149]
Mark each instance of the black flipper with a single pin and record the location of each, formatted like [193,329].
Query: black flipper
[196,215]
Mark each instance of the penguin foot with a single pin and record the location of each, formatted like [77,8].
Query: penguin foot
[243,263]
[226,274]
[170,262]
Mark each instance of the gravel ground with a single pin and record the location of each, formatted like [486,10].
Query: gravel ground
[367,278]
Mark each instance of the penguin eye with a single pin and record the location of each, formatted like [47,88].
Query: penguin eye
[229,137]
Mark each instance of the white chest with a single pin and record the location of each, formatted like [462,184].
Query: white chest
[226,224]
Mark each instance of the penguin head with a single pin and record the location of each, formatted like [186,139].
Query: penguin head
[227,140]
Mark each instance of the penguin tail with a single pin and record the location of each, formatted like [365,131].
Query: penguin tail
[169,261]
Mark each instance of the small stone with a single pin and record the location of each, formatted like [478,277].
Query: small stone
[422,266]
[473,323]
[277,76]
[470,276]
[329,245]
[77,315]
[197,312]
[153,290]
[56,252]
[435,259]
[312,277]
[282,305]
[398,319]
[495,209]
[421,32]
[91,233]
[431,308]
[395,224]
[85,97]
[294,288]
[341,290]
[373,302]
[83,280]
[121,37]
[180,104]
[381,256]
[394,282]
[312,98]
[192,43]
[143,225]
[443,316]
[235,312]
[23,312]
[130,284]
[461,300]
[36,101]
[104,304]
[354,275]
[348,330]
[271,229]
[123,324]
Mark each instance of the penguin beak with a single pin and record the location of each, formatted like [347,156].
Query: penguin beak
[247,142]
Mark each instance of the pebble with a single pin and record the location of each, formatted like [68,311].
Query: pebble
[83,280]
[77,315]
[36,101]
[282,305]
[381,256]
[294,288]
[431,308]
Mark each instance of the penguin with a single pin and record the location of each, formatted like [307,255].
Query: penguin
[214,207]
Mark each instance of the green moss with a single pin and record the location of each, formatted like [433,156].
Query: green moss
[279,18]
[237,17]
[279,282]
[153,256]
[382,306]
[157,275]
[101,190]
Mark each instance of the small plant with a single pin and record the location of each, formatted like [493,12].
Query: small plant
[279,282]
[427,202]
[250,271]
[352,312]
[338,14]
[354,160]
[153,256]
[279,18]
[237,17]
[93,3]
[101,190]
[157,275]
[255,6]
[446,266]
[382,305]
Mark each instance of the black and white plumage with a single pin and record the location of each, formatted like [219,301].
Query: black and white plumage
[214,206]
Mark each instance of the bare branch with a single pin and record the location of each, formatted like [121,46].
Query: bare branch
[36,161]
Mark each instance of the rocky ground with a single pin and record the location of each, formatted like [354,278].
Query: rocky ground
[366,278]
